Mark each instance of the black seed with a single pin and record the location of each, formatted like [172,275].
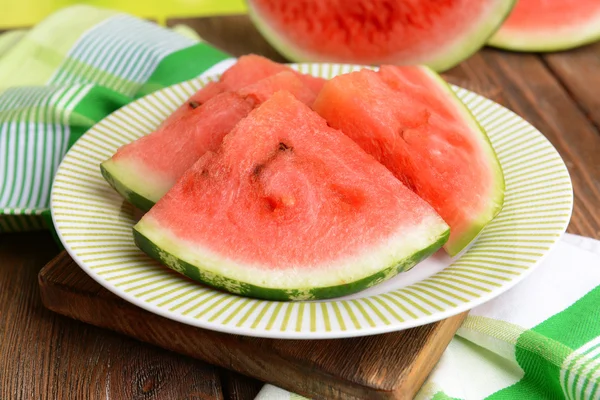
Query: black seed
[284,147]
[194,104]
[258,169]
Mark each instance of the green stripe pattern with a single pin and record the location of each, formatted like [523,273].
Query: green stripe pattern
[34,134]
[560,355]
[114,61]
[95,224]
[120,53]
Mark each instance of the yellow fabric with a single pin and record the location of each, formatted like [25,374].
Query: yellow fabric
[24,13]
[33,59]
[9,39]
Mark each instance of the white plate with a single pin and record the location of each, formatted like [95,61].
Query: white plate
[94,223]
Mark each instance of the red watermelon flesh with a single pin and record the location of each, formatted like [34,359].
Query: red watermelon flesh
[439,33]
[549,25]
[145,169]
[409,120]
[252,68]
[260,91]
[249,69]
[289,208]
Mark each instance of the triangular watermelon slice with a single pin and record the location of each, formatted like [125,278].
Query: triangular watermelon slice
[289,209]
[410,120]
[247,70]
[144,170]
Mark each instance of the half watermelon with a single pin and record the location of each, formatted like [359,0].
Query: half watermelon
[543,25]
[144,170]
[289,209]
[410,120]
[372,32]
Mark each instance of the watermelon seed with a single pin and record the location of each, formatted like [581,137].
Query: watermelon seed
[194,104]
[284,147]
[258,169]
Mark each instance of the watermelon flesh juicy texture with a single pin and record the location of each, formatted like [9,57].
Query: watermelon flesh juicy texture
[144,170]
[131,171]
[250,69]
[549,25]
[409,119]
[289,209]
[438,33]
[247,70]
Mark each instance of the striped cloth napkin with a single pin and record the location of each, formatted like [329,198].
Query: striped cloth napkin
[540,340]
[64,75]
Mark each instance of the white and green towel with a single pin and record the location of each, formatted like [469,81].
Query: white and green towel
[66,74]
[540,340]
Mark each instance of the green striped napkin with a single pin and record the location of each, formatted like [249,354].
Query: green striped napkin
[64,75]
[539,340]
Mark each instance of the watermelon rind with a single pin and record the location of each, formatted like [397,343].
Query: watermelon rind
[318,283]
[439,61]
[496,199]
[124,182]
[544,41]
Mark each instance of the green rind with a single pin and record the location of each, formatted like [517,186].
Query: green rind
[200,274]
[449,58]
[497,200]
[545,45]
[478,39]
[134,198]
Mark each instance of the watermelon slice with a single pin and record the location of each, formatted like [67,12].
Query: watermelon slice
[247,70]
[543,25]
[289,209]
[144,170]
[409,119]
[438,33]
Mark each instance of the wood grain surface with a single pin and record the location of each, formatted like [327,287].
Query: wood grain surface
[46,356]
[384,366]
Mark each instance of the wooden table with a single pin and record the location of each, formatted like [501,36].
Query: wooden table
[47,356]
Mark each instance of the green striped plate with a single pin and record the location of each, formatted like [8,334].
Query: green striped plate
[95,223]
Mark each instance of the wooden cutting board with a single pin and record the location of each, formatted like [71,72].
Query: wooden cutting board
[388,366]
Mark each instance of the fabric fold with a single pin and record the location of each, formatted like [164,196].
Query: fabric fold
[66,74]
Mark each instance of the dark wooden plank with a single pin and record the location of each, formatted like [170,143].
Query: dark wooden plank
[46,356]
[234,34]
[578,70]
[239,387]
[530,89]
[384,366]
